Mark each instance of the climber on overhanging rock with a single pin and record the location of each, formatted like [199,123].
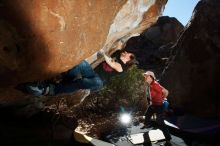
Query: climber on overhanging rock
[82,76]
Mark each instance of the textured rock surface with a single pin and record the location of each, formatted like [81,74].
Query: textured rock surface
[193,73]
[52,35]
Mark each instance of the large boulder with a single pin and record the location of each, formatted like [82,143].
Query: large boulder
[53,36]
[41,39]
[193,73]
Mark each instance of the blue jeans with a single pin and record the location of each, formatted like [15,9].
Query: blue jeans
[90,80]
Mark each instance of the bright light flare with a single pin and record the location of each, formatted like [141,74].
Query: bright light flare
[125,118]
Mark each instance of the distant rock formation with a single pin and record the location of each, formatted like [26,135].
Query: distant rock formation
[165,30]
[153,46]
[193,73]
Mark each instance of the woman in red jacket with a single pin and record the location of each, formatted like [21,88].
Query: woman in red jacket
[156,95]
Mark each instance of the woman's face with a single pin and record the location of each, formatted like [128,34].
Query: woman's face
[148,79]
[126,55]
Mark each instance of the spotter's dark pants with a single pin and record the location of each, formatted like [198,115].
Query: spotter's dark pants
[158,110]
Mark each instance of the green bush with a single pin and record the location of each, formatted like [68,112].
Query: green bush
[126,90]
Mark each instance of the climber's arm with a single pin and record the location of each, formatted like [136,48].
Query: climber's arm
[115,65]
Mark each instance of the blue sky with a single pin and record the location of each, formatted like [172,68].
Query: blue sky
[181,9]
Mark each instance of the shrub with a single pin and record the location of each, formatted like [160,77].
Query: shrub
[126,90]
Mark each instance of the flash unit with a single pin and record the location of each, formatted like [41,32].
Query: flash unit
[125,118]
